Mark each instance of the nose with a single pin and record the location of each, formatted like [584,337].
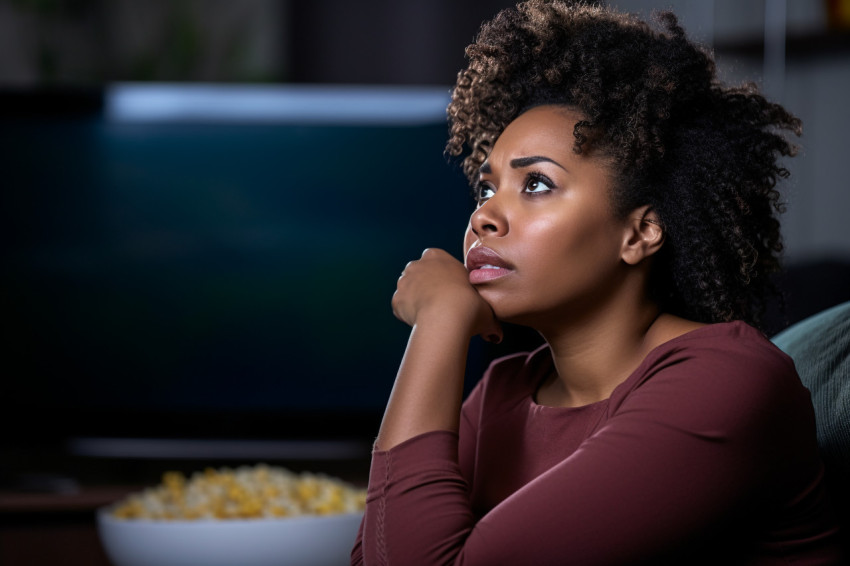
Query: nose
[489,219]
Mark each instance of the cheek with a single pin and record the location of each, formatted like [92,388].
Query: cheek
[559,242]
[546,233]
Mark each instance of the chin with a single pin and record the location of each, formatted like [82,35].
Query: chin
[512,316]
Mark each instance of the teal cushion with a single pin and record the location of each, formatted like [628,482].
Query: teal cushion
[820,348]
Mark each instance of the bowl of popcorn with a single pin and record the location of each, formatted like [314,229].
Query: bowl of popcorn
[247,516]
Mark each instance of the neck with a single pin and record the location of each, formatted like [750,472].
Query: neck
[594,354]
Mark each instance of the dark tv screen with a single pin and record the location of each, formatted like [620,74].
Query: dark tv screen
[209,273]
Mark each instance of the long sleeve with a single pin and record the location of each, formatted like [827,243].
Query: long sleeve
[420,474]
[448,445]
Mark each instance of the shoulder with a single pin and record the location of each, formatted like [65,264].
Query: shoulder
[727,351]
[733,347]
[721,377]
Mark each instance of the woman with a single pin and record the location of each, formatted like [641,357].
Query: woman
[627,212]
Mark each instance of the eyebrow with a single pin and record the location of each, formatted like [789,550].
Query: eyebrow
[521,162]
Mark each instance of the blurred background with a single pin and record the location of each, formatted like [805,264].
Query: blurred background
[206,203]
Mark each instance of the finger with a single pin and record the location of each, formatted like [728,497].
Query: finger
[493,334]
[492,328]
[398,307]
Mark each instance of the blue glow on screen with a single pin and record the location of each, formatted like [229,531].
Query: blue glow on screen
[295,104]
[218,246]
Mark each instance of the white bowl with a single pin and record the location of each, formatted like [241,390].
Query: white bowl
[292,541]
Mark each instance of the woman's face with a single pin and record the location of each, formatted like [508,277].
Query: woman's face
[543,242]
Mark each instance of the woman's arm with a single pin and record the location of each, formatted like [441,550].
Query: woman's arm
[435,298]
[468,427]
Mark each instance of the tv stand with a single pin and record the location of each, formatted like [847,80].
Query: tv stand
[45,528]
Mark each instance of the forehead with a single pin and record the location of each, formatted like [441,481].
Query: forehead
[540,128]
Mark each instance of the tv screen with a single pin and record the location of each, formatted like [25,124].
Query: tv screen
[219,262]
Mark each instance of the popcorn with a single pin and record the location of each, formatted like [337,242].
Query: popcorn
[246,492]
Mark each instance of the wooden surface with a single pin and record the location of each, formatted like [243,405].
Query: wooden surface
[51,529]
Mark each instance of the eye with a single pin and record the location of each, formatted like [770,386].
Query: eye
[536,183]
[484,192]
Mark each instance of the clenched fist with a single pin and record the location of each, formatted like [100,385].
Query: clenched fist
[437,287]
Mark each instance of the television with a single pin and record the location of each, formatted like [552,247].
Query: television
[208,269]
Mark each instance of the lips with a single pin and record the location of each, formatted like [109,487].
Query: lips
[486,265]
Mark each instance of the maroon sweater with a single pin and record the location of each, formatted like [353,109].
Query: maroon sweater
[705,454]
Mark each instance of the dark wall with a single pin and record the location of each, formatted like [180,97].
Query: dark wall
[383,41]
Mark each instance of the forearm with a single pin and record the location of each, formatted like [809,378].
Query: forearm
[417,506]
[428,390]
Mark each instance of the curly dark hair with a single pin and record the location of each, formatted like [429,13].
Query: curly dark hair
[703,155]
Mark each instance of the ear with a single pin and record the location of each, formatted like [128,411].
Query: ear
[643,235]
